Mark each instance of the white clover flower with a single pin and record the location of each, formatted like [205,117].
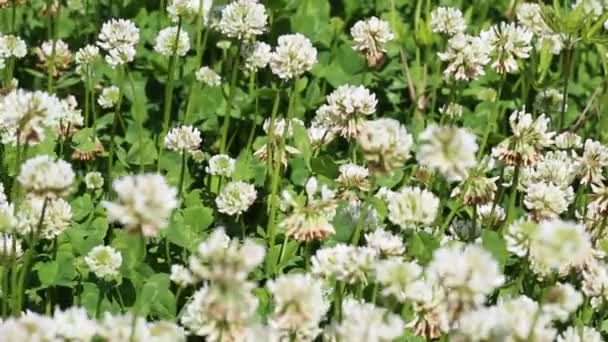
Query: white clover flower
[366,322]
[489,214]
[557,245]
[86,56]
[94,180]
[55,56]
[452,110]
[530,137]
[221,313]
[221,165]
[549,101]
[223,260]
[209,77]
[529,15]
[161,331]
[594,8]
[386,144]
[187,8]
[170,41]
[12,46]
[29,326]
[580,334]
[144,203]
[518,236]
[10,248]
[57,217]
[104,262]
[46,177]
[257,56]
[319,135]
[385,243]
[346,110]
[448,150]
[595,282]
[568,140]
[370,37]
[74,324]
[396,276]
[118,37]
[350,264]
[123,327]
[561,301]
[430,310]
[183,138]
[354,176]
[29,114]
[411,207]
[299,305]
[69,120]
[243,19]
[592,162]
[467,57]
[556,167]
[447,20]
[109,97]
[181,276]
[293,56]
[508,42]
[235,198]
[547,201]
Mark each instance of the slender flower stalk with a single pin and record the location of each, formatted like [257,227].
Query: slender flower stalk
[233,80]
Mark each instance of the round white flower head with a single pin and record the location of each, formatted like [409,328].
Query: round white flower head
[530,15]
[118,37]
[7,250]
[221,313]
[28,113]
[183,138]
[144,204]
[57,217]
[351,264]
[87,55]
[226,261]
[69,120]
[467,57]
[221,165]
[109,97]
[319,135]
[568,140]
[93,180]
[411,207]
[209,77]
[353,176]
[46,177]
[448,150]
[243,19]
[12,46]
[396,276]
[29,326]
[580,334]
[299,305]
[385,243]
[469,274]
[346,110]
[257,56]
[236,198]
[447,20]
[74,324]
[370,37]
[592,162]
[557,245]
[169,41]
[55,56]
[367,322]
[123,327]
[181,276]
[549,101]
[161,331]
[547,201]
[293,56]
[189,8]
[452,110]
[561,301]
[386,144]
[104,262]
[508,42]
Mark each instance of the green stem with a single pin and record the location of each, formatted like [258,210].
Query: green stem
[233,79]
[121,75]
[567,70]
[447,220]
[513,197]
[99,301]
[182,175]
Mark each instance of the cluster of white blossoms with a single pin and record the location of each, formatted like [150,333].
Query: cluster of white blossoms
[370,38]
[467,57]
[353,176]
[118,37]
[221,165]
[185,9]
[412,207]
[208,77]
[293,56]
[74,324]
[365,322]
[109,97]
[171,42]
[448,150]
[346,110]
[104,262]
[94,180]
[235,198]
[386,144]
[183,138]
[11,47]
[257,56]
[447,20]
[350,264]
[310,213]
[530,15]
[508,42]
[54,55]
[243,19]
[144,203]
[45,177]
